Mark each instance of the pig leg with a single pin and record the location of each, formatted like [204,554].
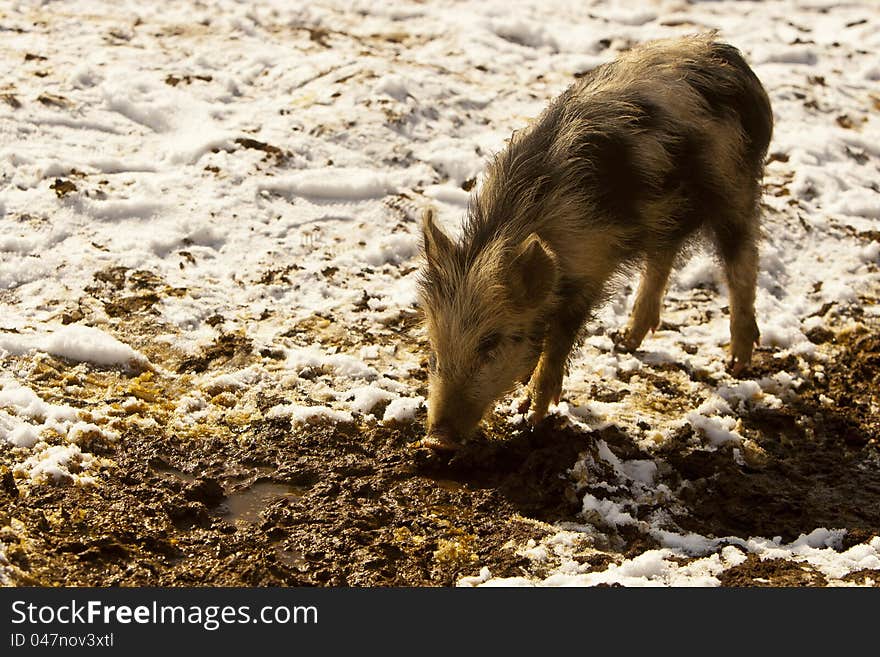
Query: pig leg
[545,385]
[739,254]
[646,311]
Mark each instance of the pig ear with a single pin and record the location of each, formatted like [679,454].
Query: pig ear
[534,271]
[435,242]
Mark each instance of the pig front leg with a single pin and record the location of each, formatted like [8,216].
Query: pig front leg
[545,385]
[646,311]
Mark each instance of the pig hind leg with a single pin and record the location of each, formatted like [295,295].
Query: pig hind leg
[649,299]
[737,245]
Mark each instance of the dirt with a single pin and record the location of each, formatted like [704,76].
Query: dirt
[258,502]
[771,572]
[352,507]
[253,501]
[819,466]
[62,187]
[227,349]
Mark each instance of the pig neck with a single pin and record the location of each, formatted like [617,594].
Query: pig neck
[587,256]
[525,192]
[499,220]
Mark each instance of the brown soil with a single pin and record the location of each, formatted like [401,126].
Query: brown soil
[820,461]
[270,504]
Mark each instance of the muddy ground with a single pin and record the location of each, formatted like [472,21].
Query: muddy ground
[259,502]
[238,498]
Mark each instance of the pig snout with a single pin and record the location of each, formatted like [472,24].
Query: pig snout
[454,429]
[440,439]
[451,420]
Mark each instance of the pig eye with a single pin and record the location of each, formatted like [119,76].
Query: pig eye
[488,344]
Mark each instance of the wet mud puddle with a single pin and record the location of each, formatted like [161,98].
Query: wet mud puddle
[242,507]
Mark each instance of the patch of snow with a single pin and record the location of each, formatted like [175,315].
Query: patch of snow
[403,409]
[78,343]
[332,183]
[58,464]
[299,414]
[344,365]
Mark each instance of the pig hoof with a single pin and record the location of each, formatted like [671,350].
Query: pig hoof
[737,367]
[439,444]
[524,405]
[534,419]
[541,401]
[631,342]
[538,411]
[626,342]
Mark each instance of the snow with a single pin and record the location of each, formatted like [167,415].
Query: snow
[310,250]
[607,510]
[332,183]
[28,422]
[663,567]
[717,429]
[84,343]
[57,463]
[303,414]
[635,470]
[77,343]
[392,85]
[231,381]
[651,568]
[343,364]
[448,194]
[363,399]
[403,409]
